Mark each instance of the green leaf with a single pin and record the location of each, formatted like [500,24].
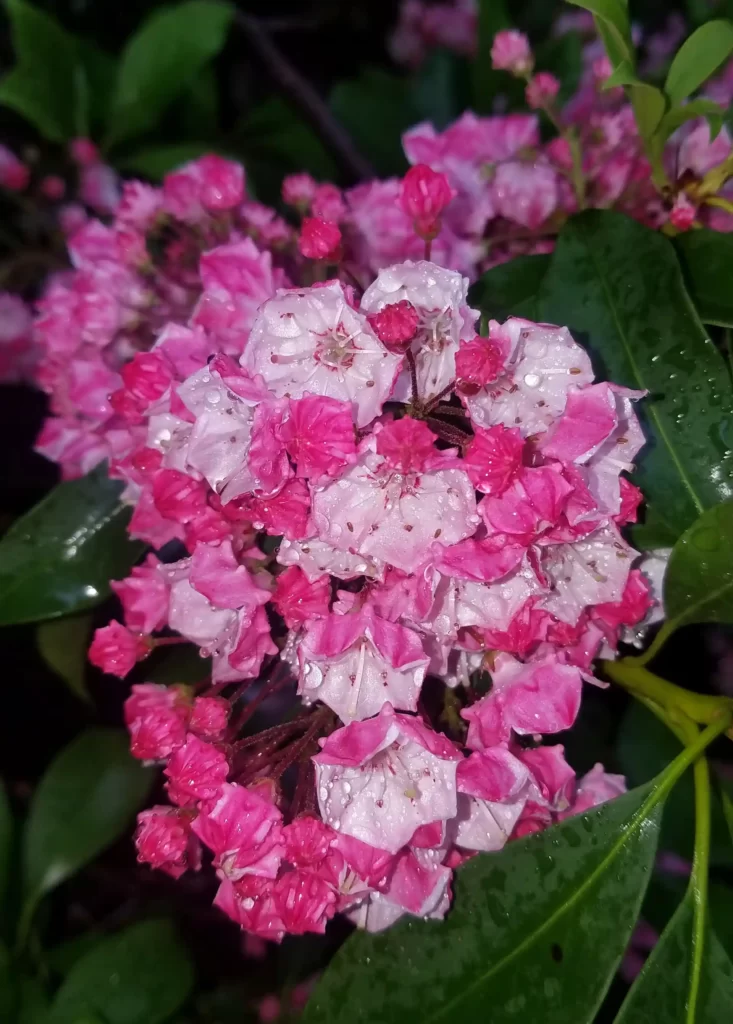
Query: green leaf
[162,58]
[59,557]
[63,645]
[65,955]
[511,288]
[157,161]
[100,71]
[435,89]
[707,259]
[141,976]
[492,18]
[85,800]
[696,108]
[33,1001]
[612,21]
[698,58]
[698,583]
[521,922]
[376,108]
[624,74]
[661,992]
[605,282]
[42,85]
[649,105]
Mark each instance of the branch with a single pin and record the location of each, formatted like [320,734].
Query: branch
[302,94]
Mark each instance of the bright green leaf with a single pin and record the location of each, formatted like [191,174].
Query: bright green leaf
[166,54]
[624,74]
[376,108]
[662,990]
[698,58]
[140,976]
[510,288]
[522,921]
[63,646]
[698,583]
[85,800]
[605,282]
[707,261]
[492,18]
[649,105]
[612,21]
[694,109]
[42,85]
[59,557]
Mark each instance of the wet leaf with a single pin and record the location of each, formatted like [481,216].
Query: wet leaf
[605,281]
[698,583]
[141,976]
[521,922]
[59,557]
[707,258]
[63,645]
[661,992]
[510,289]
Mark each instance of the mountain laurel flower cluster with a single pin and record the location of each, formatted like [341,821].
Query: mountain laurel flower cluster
[400,533]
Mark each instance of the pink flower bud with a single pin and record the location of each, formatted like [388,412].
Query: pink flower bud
[209,717]
[156,717]
[541,90]
[511,52]
[72,217]
[115,649]
[395,324]
[14,174]
[602,69]
[424,195]
[406,444]
[164,840]
[478,362]
[319,240]
[298,190]
[222,182]
[83,152]
[328,204]
[683,213]
[53,187]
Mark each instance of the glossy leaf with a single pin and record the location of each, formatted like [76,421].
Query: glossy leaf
[698,58]
[492,18]
[707,259]
[612,20]
[63,645]
[161,59]
[85,800]
[521,923]
[376,108]
[661,992]
[605,282]
[59,557]
[140,976]
[698,583]
[510,289]
[42,85]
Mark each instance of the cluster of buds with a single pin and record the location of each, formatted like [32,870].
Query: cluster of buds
[382,510]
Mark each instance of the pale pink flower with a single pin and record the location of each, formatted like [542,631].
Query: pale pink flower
[414,888]
[596,787]
[525,193]
[551,773]
[511,52]
[493,789]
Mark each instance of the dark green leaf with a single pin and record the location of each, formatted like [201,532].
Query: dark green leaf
[510,289]
[33,1001]
[662,990]
[7,834]
[197,111]
[156,161]
[645,746]
[43,84]
[522,921]
[698,58]
[60,556]
[492,17]
[99,70]
[161,59]
[435,90]
[612,20]
[63,646]
[86,799]
[141,976]
[63,957]
[707,259]
[605,281]
[376,108]
[698,583]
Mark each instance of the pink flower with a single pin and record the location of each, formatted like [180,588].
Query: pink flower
[425,194]
[299,600]
[328,204]
[525,193]
[511,52]
[683,213]
[243,831]
[493,458]
[313,342]
[83,152]
[355,663]
[381,779]
[418,888]
[252,644]
[14,174]
[286,513]
[407,445]
[249,902]
[298,190]
[493,789]
[304,902]
[478,363]
[319,435]
[596,787]
[99,187]
[144,597]
[319,239]
[196,772]
[395,324]
[157,718]
[540,697]
[222,182]
[209,718]
[541,90]
[116,650]
[216,573]
[552,774]
[164,841]
[178,496]
[53,187]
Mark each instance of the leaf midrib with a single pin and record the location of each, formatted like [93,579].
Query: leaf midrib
[656,795]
